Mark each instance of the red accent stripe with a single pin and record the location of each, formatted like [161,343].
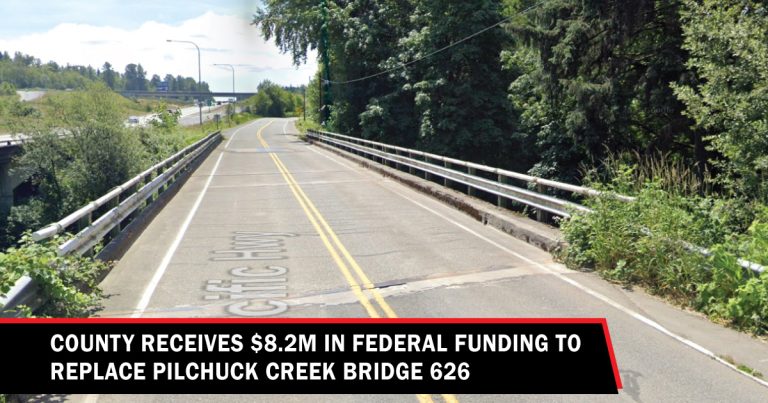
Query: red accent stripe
[356,321]
[615,366]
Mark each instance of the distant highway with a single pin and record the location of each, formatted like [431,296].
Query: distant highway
[27,96]
[7,140]
[189,116]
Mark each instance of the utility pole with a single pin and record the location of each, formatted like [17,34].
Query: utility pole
[325,78]
[305,102]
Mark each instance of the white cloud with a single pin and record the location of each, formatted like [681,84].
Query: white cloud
[222,39]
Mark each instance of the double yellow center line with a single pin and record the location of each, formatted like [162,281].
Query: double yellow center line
[361,285]
[333,244]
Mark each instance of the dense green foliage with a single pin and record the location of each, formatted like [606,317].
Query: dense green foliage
[655,240]
[274,101]
[68,282]
[651,242]
[7,89]
[81,150]
[25,71]
[600,80]
[555,87]
[455,104]
[728,45]
[665,100]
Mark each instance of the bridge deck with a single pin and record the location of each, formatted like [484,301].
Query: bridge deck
[266,203]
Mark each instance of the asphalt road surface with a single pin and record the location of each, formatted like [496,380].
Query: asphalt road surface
[190,116]
[340,225]
[27,96]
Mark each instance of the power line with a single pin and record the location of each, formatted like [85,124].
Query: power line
[428,55]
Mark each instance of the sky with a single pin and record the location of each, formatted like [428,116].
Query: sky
[88,32]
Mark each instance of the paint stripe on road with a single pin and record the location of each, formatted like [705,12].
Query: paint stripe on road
[358,270]
[562,276]
[354,286]
[149,290]
[160,270]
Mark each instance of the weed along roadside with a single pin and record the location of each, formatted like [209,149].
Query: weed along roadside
[648,242]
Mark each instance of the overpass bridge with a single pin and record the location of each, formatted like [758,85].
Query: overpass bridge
[186,94]
[10,146]
[337,235]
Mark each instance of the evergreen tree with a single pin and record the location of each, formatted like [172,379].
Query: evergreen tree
[108,75]
[728,44]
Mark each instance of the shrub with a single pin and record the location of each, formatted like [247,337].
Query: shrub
[733,293]
[31,214]
[68,283]
[652,242]
[642,242]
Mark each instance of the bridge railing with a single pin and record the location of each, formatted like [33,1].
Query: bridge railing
[12,142]
[104,218]
[494,181]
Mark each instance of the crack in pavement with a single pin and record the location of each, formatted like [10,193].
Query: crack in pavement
[390,288]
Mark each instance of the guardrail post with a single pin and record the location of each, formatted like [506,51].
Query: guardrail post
[427,175]
[470,190]
[85,222]
[82,224]
[172,178]
[161,188]
[411,170]
[541,215]
[118,225]
[447,165]
[130,191]
[502,202]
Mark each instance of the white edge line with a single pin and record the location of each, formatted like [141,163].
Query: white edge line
[326,155]
[160,271]
[232,137]
[150,289]
[642,318]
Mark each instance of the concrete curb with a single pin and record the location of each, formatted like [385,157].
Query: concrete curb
[533,232]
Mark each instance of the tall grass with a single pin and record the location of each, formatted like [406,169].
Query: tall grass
[630,172]
[644,242]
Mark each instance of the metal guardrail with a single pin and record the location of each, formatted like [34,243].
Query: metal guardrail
[444,167]
[501,188]
[11,142]
[122,202]
[19,139]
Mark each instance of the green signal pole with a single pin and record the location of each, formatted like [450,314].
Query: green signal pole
[325,93]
